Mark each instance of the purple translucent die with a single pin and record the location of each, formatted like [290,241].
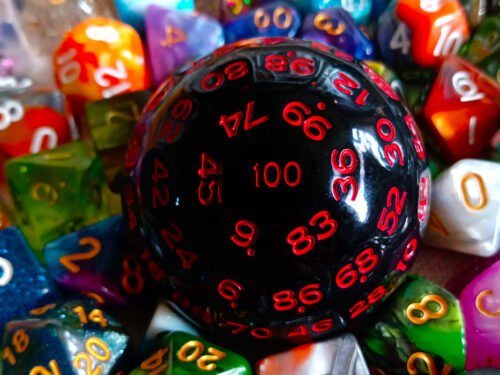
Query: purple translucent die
[336,27]
[480,301]
[174,38]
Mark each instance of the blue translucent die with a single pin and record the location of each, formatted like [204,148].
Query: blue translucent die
[276,19]
[378,7]
[336,27]
[133,11]
[61,338]
[175,38]
[393,38]
[360,10]
[89,260]
[24,283]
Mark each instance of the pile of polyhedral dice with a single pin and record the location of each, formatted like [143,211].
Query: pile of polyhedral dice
[241,186]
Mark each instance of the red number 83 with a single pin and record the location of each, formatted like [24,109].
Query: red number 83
[302,242]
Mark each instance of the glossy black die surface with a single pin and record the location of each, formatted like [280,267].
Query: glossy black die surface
[282,185]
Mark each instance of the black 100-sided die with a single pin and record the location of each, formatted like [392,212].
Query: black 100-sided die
[282,185]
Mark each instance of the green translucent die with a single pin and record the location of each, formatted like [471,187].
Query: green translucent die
[483,49]
[111,122]
[181,353]
[420,322]
[56,192]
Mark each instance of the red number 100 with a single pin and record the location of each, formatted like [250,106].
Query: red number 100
[272,173]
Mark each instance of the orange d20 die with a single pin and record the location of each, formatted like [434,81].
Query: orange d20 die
[97,59]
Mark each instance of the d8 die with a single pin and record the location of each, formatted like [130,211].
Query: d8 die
[65,339]
[56,192]
[174,39]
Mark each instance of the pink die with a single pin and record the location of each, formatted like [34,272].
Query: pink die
[480,301]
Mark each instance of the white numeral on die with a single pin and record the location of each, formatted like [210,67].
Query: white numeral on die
[465,87]
[10,111]
[6,271]
[39,136]
[118,73]
[449,41]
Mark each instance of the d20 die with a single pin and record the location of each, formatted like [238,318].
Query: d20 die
[65,339]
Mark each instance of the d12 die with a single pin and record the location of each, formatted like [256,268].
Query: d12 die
[336,27]
[466,208]
[24,284]
[32,122]
[97,59]
[95,260]
[420,330]
[276,19]
[182,353]
[56,192]
[174,39]
[65,339]
[111,122]
[338,356]
[438,28]
[462,110]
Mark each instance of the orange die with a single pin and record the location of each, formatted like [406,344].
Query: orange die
[438,28]
[97,59]
[462,109]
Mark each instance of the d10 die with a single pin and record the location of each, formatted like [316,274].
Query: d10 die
[462,110]
[96,260]
[421,330]
[24,284]
[65,339]
[339,356]
[182,353]
[56,192]
[466,208]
